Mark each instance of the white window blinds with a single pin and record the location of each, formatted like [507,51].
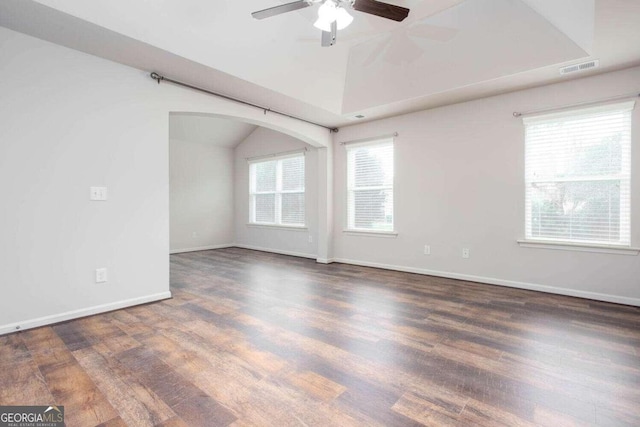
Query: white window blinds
[577,175]
[277,191]
[370,186]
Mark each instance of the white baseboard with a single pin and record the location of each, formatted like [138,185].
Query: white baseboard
[500,282]
[200,248]
[56,318]
[274,251]
[325,260]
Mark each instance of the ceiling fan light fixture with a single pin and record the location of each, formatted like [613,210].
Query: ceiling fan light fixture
[343,18]
[328,11]
[323,24]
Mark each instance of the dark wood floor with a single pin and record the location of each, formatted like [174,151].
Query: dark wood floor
[258,339]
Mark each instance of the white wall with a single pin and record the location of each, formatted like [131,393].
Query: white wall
[88,123]
[289,241]
[200,195]
[70,121]
[460,183]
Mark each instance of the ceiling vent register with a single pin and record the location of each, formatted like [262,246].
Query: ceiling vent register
[579,67]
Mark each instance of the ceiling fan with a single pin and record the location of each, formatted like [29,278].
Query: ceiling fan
[333,15]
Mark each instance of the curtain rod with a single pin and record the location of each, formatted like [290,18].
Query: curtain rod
[159,78]
[373,138]
[282,153]
[580,104]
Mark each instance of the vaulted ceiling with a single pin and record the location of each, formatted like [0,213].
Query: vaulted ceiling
[204,129]
[446,51]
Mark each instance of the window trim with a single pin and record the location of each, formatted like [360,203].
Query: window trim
[578,247]
[369,142]
[624,177]
[277,194]
[277,226]
[370,233]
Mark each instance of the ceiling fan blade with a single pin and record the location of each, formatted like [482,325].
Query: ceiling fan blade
[329,37]
[384,10]
[283,8]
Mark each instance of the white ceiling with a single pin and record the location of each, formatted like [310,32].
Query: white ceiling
[446,51]
[475,41]
[205,129]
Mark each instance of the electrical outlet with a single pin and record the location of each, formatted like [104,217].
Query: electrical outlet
[98,193]
[465,253]
[101,275]
[310,238]
[427,250]
[194,234]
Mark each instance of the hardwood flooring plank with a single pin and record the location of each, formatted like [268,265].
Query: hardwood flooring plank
[423,407]
[316,385]
[135,403]
[41,339]
[176,422]
[72,387]
[190,403]
[13,350]
[21,383]
[115,422]
[72,335]
[481,414]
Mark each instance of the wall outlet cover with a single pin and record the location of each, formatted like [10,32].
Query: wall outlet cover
[101,275]
[98,193]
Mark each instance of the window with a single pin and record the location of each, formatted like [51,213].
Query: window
[277,191]
[370,186]
[577,176]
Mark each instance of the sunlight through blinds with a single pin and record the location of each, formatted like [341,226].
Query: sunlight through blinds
[277,193]
[370,186]
[577,175]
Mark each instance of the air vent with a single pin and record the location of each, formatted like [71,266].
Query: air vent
[579,67]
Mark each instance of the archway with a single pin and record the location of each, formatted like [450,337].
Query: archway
[224,173]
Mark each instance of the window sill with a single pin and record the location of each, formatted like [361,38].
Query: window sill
[388,234]
[278,226]
[579,247]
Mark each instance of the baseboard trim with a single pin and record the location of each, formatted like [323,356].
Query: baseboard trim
[200,248]
[499,282]
[324,260]
[274,251]
[84,312]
